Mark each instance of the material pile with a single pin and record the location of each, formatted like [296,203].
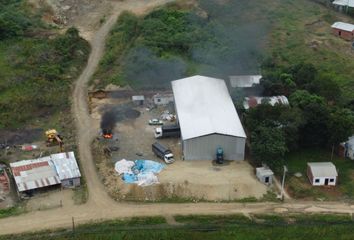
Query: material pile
[140,172]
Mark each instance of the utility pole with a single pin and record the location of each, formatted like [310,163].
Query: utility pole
[73,222]
[283,182]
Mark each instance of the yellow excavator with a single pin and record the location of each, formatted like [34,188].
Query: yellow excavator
[54,138]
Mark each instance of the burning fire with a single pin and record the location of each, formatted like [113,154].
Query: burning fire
[107,134]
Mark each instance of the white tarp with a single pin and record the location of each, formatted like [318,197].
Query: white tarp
[124,166]
[146,179]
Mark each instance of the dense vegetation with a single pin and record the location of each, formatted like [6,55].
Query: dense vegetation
[175,41]
[315,118]
[295,227]
[37,66]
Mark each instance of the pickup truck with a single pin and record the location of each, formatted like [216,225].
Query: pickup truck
[155,121]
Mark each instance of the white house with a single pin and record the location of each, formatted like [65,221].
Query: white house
[163,99]
[322,173]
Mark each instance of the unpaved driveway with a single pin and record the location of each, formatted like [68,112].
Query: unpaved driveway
[99,205]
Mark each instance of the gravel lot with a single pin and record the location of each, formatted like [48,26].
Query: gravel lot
[182,180]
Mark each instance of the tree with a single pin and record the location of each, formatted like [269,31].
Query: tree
[326,87]
[302,98]
[238,96]
[268,146]
[340,125]
[303,74]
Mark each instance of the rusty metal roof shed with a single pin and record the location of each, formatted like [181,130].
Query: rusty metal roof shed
[33,174]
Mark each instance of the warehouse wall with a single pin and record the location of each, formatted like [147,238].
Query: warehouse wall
[204,148]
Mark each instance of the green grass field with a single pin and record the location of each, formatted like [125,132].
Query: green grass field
[294,227]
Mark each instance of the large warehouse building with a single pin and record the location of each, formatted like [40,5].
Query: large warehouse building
[208,119]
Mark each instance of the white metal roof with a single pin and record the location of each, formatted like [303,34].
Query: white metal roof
[65,165]
[204,107]
[250,102]
[45,171]
[263,171]
[343,26]
[323,169]
[349,3]
[32,174]
[244,81]
[138,98]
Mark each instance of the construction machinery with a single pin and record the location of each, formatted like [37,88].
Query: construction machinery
[54,138]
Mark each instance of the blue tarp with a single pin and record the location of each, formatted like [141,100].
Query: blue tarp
[141,169]
[148,166]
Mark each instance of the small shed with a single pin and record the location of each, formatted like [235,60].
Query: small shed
[251,102]
[67,169]
[347,148]
[265,175]
[138,100]
[343,30]
[343,4]
[163,99]
[322,173]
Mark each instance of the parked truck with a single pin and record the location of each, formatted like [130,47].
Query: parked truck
[163,152]
[167,131]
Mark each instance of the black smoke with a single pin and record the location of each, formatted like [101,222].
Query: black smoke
[108,121]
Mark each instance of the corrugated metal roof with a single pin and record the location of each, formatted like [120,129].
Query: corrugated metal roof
[45,171]
[349,3]
[65,165]
[323,169]
[138,98]
[343,26]
[204,107]
[254,101]
[32,174]
[244,81]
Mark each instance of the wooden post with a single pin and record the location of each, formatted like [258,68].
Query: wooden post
[332,152]
[73,221]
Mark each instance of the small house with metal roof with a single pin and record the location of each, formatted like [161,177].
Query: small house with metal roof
[343,30]
[67,169]
[322,173]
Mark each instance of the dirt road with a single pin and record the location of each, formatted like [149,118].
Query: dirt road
[99,205]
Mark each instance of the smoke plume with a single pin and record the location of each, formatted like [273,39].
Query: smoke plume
[108,121]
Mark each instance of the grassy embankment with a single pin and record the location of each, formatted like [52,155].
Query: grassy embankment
[37,66]
[210,227]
